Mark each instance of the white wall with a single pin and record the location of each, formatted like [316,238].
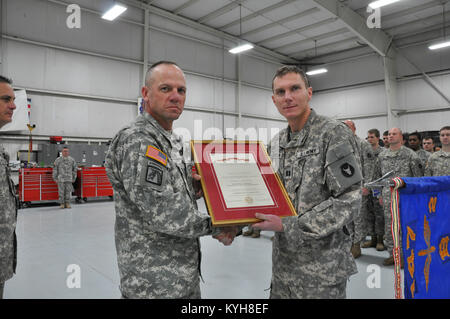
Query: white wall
[84,83]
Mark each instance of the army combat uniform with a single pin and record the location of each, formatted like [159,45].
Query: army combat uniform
[438,164]
[368,163]
[157,222]
[8,220]
[404,163]
[423,156]
[319,166]
[64,174]
[375,214]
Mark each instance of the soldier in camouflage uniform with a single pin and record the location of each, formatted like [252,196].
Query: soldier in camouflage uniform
[318,162]
[414,140]
[8,199]
[368,162]
[375,217]
[439,162]
[404,162]
[158,224]
[64,174]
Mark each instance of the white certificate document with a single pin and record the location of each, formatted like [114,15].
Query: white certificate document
[240,180]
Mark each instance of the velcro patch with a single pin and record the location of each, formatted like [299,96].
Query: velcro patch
[154,175]
[156,154]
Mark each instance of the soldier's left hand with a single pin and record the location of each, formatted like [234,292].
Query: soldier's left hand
[197,185]
[270,222]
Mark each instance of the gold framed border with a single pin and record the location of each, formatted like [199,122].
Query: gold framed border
[240,221]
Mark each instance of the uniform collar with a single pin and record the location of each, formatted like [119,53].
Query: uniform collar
[298,138]
[172,138]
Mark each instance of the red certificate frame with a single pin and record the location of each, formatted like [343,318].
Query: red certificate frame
[222,215]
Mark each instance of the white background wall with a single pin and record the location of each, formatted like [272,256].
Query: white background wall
[84,83]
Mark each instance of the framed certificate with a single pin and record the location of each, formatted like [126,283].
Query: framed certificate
[239,181]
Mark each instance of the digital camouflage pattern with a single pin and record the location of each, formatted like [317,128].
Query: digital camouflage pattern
[438,164]
[374,222]
[404,163]
[64,174]
[8,220]
[423,155]
[368,164]
[319,167]
[157,221]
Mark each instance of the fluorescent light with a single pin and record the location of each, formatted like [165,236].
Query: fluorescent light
[114,12]
[439,45]
[241,48]
[318,71]
[381,3]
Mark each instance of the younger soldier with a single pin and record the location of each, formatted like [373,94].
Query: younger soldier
[64,174]
[439,162]
[318,162]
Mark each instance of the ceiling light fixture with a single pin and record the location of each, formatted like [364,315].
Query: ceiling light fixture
[381,3]
[318,71]
[446,42]
[114,12]
[241,47]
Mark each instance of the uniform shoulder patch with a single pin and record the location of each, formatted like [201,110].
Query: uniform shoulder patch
[156,154]
[347,170]
[154,175]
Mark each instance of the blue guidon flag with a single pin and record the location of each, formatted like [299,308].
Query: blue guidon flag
[156,154]
[425,224]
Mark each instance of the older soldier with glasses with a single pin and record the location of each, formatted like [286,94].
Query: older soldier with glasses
[8,199]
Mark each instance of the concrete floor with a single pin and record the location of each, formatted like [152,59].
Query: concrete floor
[54,245]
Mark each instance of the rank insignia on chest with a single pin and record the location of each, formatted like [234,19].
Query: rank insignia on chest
[288,172]
[156,154]
[154,175]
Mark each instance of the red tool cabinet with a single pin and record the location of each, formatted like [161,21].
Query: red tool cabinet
[92,182]
[36,184]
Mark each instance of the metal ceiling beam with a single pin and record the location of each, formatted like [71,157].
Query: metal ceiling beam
[298,30]
[220,11]
[421,22]
[302,54]
[184,6]
[258,13]
[204,28]
[410,11]
[377,39]
[317,38]
[280,22]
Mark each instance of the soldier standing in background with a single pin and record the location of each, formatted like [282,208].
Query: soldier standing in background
[414,141]
[318,163]
[404,162]
[375,217]
[368,162]
[428,144]
[64,174]
[439,162]
[8,198]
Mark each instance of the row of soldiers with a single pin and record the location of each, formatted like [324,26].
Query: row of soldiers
[374,218]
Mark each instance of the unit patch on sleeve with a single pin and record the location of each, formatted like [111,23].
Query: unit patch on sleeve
[156,154]
[154,175]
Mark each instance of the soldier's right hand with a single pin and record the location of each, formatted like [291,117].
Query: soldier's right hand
[227,235]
